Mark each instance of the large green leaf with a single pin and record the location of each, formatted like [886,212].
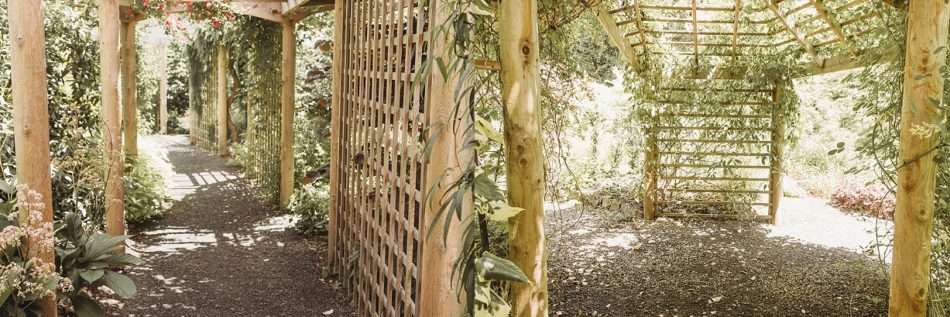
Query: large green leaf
[119,283]
[496,268]
[86,307]
[92,276]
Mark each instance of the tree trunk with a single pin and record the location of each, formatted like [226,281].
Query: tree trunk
[31,116]
[524,152]
[111,115]
[288,72]
[916,178]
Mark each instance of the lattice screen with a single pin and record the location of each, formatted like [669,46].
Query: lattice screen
[262,138]
[714,144]
[201,96]
[378,203]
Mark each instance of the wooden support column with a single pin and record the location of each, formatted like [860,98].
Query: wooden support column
[288,71]
[163,89]
[650,170]
[778,150]
[921,117]
[339,23]
[221,85]
[111,115]
[524,153]
[129,64]
[444,166]
[31,117]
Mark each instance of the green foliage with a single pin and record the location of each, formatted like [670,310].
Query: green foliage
[312,205]
[87,258]
[145,196]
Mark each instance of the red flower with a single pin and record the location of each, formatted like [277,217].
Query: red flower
[145,3]
[215,23]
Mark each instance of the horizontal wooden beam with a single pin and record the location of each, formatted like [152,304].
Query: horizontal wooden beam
[296,10]
[846,62]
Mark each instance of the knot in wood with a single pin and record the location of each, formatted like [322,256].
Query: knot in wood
[525,48]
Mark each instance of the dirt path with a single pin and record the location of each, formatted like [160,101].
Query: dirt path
[220,251]
[601,265]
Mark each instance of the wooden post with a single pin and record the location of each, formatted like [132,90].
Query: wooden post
[129,63]
[163,89]
[447,159]
[921,117]
[288,72]
[111,115]
[524,152]
[31,116]
[778,150]
[335,124]
[222,100]
[650,174]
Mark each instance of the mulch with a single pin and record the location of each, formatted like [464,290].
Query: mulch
[603,267]
[215,255]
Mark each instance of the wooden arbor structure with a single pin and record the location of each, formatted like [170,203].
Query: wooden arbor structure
[821,36]
[733,154]
[378,176]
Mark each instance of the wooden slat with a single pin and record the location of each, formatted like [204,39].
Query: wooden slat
[788,27]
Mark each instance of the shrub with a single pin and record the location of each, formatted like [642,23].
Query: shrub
[312,204]
[144,192]
[871,200]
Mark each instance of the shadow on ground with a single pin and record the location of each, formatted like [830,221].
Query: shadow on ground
[602,267]
[220,251]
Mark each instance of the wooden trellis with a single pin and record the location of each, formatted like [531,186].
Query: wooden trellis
[202,95]
[379,198]
[700,158]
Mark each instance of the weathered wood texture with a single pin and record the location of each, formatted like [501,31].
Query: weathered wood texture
[446,164]
[380,116]
[650,170]
[31,117]
[524,152]
[916,177]
[339,22]
[288,71]
[109,29]
[129,65]
[778,151]
[221,100]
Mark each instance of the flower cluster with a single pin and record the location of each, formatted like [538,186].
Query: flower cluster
[38,228]
[214,11]
[24,275]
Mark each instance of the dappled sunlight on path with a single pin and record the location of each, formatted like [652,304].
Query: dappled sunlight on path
[220,251]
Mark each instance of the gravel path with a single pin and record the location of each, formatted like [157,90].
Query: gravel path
[220,251]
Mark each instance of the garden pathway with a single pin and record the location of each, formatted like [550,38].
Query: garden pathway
[220,251]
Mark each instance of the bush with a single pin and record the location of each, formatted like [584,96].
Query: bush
[870,200]
[312,204]
[144,192]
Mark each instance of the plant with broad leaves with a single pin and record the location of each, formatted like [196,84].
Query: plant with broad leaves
[87,259]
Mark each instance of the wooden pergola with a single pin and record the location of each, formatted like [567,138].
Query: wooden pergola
[379,212]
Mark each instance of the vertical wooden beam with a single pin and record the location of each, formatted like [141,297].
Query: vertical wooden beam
[650,170]
[921,118]
[163,89]
[339,43]
[31,117]
[448,159]
[288,71]
[778,150]
[129,64]
[111,115]
[221,84]
[524,152]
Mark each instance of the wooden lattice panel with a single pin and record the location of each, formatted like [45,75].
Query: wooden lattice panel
[713,147]
[202,98]
[378,200]
[262,137]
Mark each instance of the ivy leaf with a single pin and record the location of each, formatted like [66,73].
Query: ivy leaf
[501,211]
[495,268]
